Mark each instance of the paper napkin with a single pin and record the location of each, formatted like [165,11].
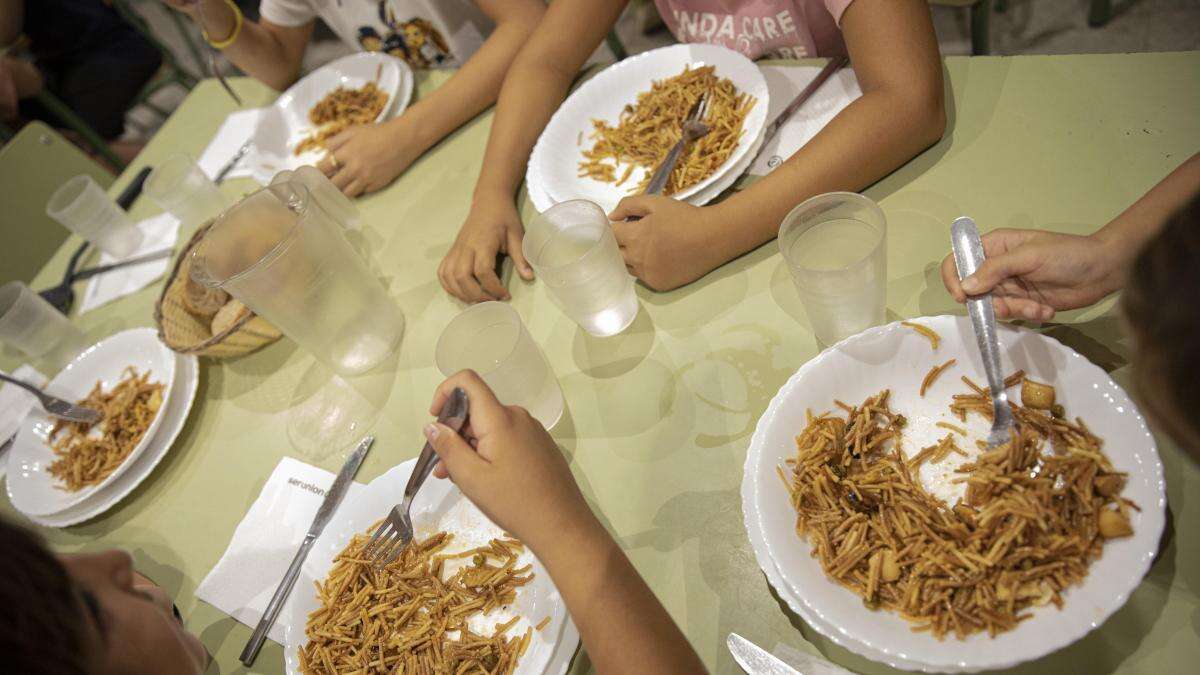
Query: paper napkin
[158,233]
[784,83]
[15,404]
[235,131]
[264,543]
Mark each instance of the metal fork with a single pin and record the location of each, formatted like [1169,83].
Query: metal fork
[968,256]
[693,128]
[233,162]
[57,406]
[396,530]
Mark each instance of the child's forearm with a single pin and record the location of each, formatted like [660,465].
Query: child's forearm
[623,626]
[537,83]
[1129,232]
[873,136]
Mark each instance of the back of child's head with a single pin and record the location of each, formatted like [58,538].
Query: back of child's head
[1162,308]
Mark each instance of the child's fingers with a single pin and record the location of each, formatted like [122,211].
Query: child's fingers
[950,279]
[638,205]
[513,242]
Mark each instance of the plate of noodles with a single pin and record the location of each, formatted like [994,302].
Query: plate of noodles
[361,88]
[878,517]
[462,593]
[174,417]
[605,140]
[55,465]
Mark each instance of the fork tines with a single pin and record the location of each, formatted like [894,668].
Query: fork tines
[387,542]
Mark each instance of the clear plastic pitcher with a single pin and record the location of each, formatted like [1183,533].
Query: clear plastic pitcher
[286,258]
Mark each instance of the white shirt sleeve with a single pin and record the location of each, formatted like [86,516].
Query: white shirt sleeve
[289,13]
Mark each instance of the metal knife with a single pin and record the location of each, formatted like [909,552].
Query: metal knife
[333,497]
[835,64]
[757,661]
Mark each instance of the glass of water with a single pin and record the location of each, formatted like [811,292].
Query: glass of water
[181,188]
[574,252]
[83,207]
[490,339]
[835,246]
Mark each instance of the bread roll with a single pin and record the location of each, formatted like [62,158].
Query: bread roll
[201,300]
[228,315]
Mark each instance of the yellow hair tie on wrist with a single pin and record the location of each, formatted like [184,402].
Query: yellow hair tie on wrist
[238,20]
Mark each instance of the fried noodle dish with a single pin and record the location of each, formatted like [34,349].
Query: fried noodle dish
[89,453]
[646,131]
[411,616]
[341,109]
[1036,512]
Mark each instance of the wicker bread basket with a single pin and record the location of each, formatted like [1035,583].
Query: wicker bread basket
[186,333]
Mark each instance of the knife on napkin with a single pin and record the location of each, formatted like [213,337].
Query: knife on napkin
[333,497]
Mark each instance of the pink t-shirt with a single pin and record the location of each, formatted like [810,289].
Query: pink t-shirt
[757,28]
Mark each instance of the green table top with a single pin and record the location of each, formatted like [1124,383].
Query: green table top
[660,416]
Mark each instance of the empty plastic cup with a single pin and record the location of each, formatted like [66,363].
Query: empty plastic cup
[83,207]
[835,247]
[490,339]
[181,188]
[36,329]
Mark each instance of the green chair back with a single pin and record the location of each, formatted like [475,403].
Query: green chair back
[32,165]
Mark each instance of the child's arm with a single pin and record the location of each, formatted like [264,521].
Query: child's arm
[267,52]
[511,469]
[1034,273]
[895,55]
[369,157]
[534,87]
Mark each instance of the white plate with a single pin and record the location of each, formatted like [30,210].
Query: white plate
[285,123]
[438,506]
[187,377]
[554,164]
[895,357]
[30,486]
[542,201]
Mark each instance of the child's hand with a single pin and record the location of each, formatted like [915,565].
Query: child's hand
[508,465]
[670,246]
[367,157]
[1034,273]
[468,272]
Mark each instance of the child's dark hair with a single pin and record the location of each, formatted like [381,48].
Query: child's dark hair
[1160,305]
[42,626]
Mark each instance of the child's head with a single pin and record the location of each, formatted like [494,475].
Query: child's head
[1163,316]
[85,613]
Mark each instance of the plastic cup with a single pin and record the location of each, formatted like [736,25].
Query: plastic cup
[36,329]
[181,188]
[835,247]
[83,207]
[573,251]
[287,259]
[490,339]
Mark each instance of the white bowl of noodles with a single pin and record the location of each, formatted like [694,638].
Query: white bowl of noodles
[895,357]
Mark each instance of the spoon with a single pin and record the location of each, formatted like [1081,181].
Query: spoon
[968,256]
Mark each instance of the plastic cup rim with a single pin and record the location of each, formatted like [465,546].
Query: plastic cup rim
[792,216]
[510,313]
[592,249]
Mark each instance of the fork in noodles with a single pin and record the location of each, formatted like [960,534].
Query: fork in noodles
[87,454]
[1036,513]
[646,131]
[412,616]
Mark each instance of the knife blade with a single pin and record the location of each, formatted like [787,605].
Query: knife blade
[754,659]
[333,497]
